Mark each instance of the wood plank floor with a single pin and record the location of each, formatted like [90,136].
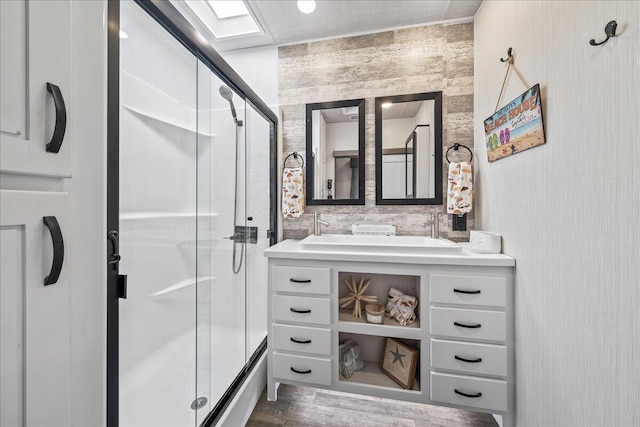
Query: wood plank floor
[309,407]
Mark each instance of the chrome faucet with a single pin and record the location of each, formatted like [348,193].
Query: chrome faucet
[318,223]
[435,225]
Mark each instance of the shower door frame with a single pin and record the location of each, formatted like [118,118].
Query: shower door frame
[172,21]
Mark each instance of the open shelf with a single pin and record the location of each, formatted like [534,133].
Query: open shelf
[389,327]
[379,288]
[371,374]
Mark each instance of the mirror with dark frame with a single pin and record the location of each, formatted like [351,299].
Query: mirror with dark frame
[409,149]
[335,153]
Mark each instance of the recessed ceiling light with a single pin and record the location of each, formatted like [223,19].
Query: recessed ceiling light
[228,8]
[306,6]
[387,105]
[123,35]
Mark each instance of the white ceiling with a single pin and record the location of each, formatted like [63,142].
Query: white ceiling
[283,23]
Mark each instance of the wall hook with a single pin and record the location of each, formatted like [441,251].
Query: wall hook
[509,56]
[609,30]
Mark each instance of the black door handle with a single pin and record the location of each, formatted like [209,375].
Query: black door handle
[300,280]
[478,360]
[113,237]
[308,371]
[467,395]
[61,119]
[58,249]
[300,311]
[300,341]
[462,325]
[462,291]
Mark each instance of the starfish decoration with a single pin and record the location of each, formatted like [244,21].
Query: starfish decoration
[356,295]
[397,356]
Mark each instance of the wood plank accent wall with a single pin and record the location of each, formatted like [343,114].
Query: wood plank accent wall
[422,59]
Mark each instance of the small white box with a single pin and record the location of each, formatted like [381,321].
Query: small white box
[484,242]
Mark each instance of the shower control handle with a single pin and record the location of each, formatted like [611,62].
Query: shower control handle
[244,234]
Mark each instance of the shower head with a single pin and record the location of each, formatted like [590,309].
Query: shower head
[227,94]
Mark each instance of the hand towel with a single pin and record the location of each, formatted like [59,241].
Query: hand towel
[459,188]
[292,192]
[350,358]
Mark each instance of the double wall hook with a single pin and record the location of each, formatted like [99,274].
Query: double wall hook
[509,56]
[609,30]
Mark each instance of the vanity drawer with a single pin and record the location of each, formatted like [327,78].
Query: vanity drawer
[289,308]
[481,393]
[467,323]
[469,358]
[305,369]
[303,280]
[304,339]
[468,290]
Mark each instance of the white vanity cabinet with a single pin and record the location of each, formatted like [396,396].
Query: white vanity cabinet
[35,338]
[463,332]
[35,87]
[471,339]
[300,324]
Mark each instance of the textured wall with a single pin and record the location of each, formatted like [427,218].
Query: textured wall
[423,59]
[568,210]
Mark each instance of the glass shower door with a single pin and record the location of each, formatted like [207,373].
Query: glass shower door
[259,133]
[158,206]
[222,264]
[194,213]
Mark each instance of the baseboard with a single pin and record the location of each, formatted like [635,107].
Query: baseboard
[498,419]
[240,408]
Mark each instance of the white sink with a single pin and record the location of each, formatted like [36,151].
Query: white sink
[418,245]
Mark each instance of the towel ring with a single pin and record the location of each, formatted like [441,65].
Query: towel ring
[295,156]
[456,146]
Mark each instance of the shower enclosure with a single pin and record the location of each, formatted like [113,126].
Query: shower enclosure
[195,214]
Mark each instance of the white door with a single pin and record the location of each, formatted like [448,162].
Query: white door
[34,318]
[35,87]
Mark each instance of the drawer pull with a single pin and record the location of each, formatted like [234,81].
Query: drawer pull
[462,291]
[464,394]
[462,359]
[300,341]
[462,325]
[300,280]
[295,310]
[308,371]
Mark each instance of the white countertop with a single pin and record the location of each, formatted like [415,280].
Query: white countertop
[294,250]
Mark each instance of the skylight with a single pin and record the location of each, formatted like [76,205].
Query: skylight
[228,8]
[225,19]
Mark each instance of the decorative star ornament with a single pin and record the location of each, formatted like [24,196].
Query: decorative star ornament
[397,356]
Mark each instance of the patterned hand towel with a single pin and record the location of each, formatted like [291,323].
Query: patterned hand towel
[292,192]
[460,188]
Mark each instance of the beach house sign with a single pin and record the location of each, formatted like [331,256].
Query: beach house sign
[516,127]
